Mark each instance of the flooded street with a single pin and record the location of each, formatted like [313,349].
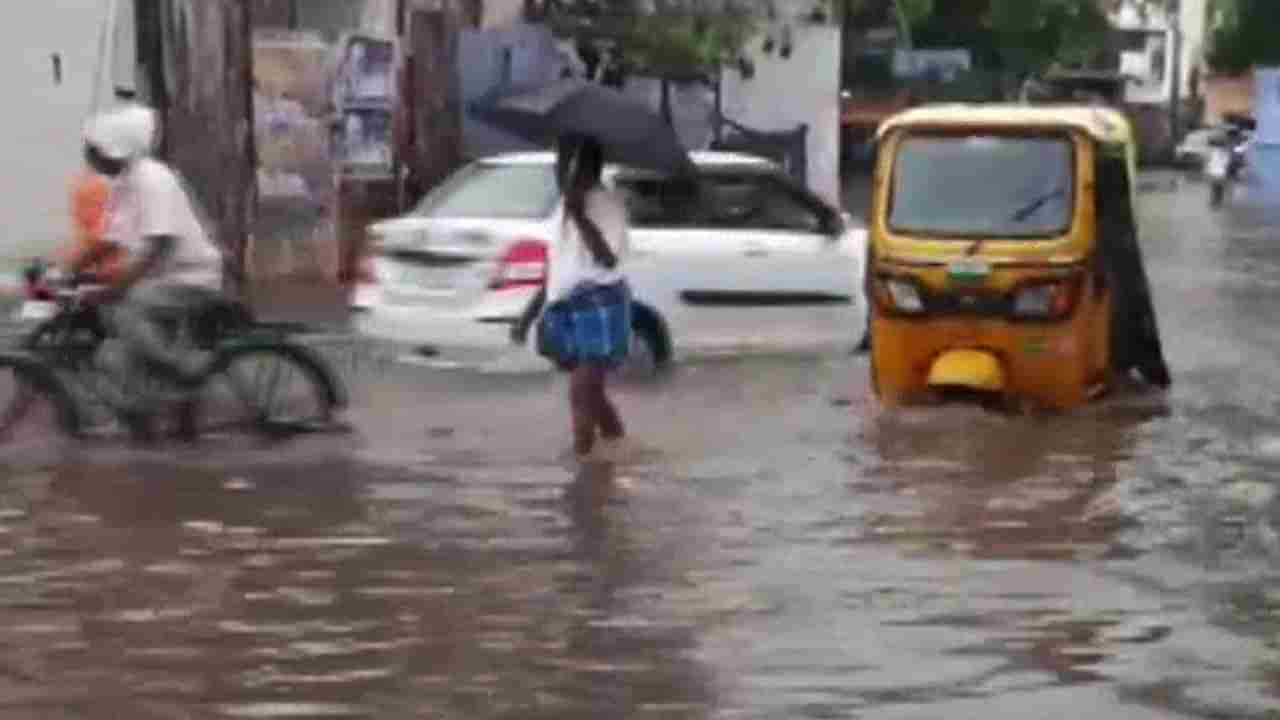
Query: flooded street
[777,549]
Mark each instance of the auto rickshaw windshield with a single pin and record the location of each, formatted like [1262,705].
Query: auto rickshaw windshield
[1007,186]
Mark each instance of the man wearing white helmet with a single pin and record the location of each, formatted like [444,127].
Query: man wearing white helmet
[151,216]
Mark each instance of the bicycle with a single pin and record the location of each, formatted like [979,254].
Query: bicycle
[69,365]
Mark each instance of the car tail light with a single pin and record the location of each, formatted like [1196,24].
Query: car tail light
[1045,301]
[523,265]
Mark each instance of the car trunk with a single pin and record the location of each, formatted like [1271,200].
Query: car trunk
[445,263]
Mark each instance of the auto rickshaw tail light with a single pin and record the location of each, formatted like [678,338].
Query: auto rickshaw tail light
[1064,298]
[1045,301]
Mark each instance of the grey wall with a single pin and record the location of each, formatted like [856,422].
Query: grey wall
[40,128]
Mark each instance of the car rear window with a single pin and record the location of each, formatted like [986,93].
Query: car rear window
[492,190]
[983,185]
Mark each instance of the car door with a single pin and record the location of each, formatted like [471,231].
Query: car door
[680,265]
[800,282]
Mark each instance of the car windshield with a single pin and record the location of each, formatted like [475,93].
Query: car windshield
[493,190]
[983,185]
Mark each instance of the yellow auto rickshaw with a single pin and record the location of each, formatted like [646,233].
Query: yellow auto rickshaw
[1003,256]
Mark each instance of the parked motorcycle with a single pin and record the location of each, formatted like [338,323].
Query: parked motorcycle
[1226,161]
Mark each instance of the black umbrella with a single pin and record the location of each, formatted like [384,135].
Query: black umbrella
[629,131]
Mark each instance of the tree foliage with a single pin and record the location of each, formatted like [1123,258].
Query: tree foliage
[1019,36]
[680,40]
[1035,33]
[1247,35]
[911,10]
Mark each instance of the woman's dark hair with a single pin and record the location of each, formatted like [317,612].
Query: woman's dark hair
[588,154]
[584,157]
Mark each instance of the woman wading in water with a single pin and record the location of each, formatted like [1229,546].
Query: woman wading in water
[586,325]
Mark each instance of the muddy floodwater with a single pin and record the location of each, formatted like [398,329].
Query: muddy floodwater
[778,548]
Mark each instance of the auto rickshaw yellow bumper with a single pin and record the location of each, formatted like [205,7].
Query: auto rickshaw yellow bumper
[1051,366]
[972,369]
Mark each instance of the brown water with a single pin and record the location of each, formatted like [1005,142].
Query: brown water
[781,550]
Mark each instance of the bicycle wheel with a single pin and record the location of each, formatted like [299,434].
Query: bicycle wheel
[67,339]
[272,390]
[33,402]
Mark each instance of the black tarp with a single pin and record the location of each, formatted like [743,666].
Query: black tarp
[1135,335]
[788,148]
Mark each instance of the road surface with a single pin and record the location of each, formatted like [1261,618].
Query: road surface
[777,548]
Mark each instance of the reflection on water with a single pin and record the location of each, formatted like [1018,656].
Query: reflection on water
[812,563]
[995,486]
[304,594]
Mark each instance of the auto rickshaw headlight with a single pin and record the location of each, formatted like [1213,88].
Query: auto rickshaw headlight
[904,295]
[1043,301]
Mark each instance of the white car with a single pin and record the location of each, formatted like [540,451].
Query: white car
[751,261]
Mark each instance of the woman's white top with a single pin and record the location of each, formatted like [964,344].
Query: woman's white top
[570,260]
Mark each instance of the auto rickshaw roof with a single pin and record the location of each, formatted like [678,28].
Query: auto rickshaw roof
[1101,123]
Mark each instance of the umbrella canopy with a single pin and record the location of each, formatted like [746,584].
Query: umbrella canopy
[629,131]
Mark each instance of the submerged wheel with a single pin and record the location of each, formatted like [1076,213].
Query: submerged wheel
[271,390]
[650,351]
[67,339]
[642,361]
[33,402]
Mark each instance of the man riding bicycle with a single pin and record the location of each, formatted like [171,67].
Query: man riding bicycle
[151,217]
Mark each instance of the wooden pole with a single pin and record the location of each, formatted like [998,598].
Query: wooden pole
[664,101]
[198,59]
[717,130]
[437,113]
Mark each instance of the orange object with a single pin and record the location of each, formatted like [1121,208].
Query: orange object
[90,195]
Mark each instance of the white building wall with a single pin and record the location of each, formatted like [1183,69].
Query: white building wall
[41,127]
[1193,24]
[783,93]
[1195,40]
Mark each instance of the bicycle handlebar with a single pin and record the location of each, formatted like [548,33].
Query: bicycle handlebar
[71,297]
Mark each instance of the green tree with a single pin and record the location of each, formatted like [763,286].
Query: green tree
[1245,36]
[1020,36]
[686,40]
[675,40]
[1033,34]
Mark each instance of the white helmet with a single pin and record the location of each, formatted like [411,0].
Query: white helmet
[123,133]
